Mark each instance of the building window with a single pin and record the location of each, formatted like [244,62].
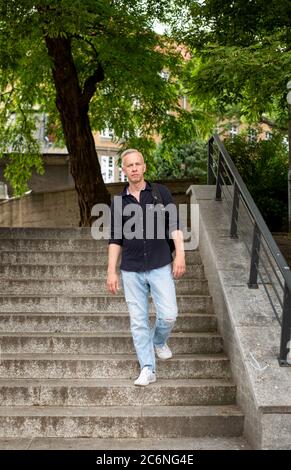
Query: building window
[252,135]
[40,126]
[184,102]
[165,75]
[121,175]
[136,103]
[107,169]
[268,135]
[233,131]
[107,133]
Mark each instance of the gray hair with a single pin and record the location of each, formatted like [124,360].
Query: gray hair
[128,151]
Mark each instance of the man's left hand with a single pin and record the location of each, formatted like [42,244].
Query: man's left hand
[179,266]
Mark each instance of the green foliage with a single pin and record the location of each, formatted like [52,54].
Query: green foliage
[263,165]
[117,37]
[19,170]
[184,161]
[239,22]
[17,141]
[241,56]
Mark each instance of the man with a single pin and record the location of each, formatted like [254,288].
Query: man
[146,265]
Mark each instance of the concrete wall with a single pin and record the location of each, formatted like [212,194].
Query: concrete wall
[57,174]
[248,325]
[60,208]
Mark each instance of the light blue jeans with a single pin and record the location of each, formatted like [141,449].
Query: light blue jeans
[137,285]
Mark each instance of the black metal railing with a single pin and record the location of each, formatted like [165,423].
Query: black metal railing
[266,260]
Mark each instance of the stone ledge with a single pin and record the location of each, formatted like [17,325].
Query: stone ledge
[248,325]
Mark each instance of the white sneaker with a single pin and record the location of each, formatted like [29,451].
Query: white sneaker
[146,377]
[163,352]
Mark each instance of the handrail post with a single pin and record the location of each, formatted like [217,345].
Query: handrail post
[234,215]
[210,174]
[285,344]
[218,179]
[255,257]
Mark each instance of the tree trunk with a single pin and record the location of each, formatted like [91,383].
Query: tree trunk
[289,165]
[73,105]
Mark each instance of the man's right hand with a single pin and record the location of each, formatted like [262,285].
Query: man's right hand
[112,282]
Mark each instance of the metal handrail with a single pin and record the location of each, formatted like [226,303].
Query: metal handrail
[260,230]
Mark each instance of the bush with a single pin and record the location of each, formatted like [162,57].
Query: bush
[185,161]
[263,166]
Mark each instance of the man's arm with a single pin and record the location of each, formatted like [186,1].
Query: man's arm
[114,251]
[179,264]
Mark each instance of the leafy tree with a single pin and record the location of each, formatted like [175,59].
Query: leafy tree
[86,64]
[184,161]
[240,66]
[241,55]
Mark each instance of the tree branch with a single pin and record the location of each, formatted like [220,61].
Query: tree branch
[272,124]
[91,82]
[79,36]
[90,85]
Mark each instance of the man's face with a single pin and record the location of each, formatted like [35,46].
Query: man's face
[134,167]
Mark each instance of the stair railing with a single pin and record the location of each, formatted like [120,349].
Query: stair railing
[266,260]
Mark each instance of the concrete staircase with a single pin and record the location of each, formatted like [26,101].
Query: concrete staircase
[68,363]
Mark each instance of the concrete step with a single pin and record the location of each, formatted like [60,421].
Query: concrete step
[54,244]
[103,321]
[45,233]
[112,392]
[53,257]
[48,233]
[67,356]
[103,343]
[93,303]
[199,443]
[84,286]
[121,421]
[57,365]
[75,271]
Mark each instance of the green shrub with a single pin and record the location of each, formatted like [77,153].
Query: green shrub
[185,161]
[263,166]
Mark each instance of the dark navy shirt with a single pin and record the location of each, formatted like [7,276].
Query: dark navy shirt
[142,253]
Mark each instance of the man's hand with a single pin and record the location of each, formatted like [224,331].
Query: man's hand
[112,282]
[179,266]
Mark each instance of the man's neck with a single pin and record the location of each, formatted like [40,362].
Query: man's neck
[136,187]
